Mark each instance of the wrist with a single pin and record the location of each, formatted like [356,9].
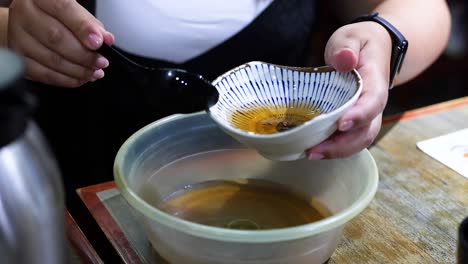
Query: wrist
[377,32]
[399,44]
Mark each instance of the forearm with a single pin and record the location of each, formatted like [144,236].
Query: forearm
[3,26]
[425,23]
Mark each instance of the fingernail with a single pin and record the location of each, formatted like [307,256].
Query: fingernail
[94,41]
[102,62]
[112,38]
[98,74]
[315,156]
[346,125]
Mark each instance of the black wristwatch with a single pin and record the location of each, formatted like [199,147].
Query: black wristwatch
[399,43]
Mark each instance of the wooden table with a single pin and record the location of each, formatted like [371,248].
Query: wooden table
[413,218]
[79,250]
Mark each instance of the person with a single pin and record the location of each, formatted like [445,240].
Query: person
[86,125]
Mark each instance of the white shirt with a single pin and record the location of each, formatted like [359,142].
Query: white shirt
[175,30]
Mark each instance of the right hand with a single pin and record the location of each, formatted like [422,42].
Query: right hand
[58,39]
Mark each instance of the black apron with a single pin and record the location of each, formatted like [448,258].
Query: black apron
[86,126]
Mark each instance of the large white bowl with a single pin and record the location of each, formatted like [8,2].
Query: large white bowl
[256,84]
[344,186]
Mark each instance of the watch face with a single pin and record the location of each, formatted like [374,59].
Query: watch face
[398,56]
[399,61]
[395,66]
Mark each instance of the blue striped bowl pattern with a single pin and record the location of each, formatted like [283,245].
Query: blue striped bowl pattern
[257,84]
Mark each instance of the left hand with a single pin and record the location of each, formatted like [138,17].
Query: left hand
[365,46]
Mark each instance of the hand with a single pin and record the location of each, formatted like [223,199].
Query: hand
[365,46]
[58,39]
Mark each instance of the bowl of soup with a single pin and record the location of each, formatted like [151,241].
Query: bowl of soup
[280,111]
[204,197]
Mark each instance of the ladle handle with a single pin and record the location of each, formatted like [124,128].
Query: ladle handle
[115,56]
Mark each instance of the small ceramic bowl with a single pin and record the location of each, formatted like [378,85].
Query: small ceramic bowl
[262,85]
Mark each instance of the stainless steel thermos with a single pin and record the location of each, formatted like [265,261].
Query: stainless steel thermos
[31,192]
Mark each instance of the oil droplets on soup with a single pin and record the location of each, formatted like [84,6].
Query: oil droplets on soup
[272,119]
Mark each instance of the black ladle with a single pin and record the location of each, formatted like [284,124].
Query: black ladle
[173,90]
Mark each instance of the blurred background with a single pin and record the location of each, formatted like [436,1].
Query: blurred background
[443,81]
[446,79]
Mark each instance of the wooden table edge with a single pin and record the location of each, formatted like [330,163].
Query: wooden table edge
[79,241]
[106,222]
[439,107]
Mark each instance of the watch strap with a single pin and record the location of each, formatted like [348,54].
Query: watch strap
[399,43]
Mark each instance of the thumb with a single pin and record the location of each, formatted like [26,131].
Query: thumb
[342,53]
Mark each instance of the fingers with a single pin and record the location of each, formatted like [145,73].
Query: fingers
[363,46]
[53,41]
[342,145]
[38,52]
[37,72]
[77,19]
[342,51]
[366,47]
[52,34]
[373,66]
[371,102]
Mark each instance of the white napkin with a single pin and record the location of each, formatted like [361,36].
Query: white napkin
[450,149]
